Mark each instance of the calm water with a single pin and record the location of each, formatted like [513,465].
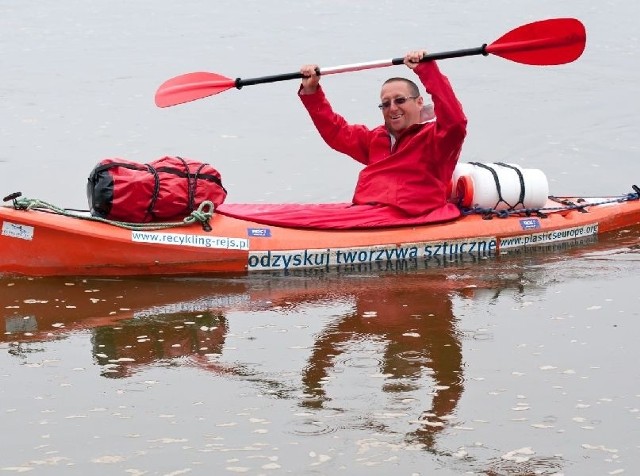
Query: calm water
[515,365]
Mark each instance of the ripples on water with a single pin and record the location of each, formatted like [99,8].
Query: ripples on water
[522,364]
[485,366]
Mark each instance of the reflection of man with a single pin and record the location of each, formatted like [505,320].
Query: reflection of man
[417,325]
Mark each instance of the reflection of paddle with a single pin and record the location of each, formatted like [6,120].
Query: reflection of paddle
[545,42]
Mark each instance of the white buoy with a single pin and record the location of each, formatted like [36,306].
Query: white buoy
[499,186]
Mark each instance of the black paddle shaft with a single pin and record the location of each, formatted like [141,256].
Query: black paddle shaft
[239,83]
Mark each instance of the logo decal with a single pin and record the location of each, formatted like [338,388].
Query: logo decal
[13,230]
[530,224]
[260,232]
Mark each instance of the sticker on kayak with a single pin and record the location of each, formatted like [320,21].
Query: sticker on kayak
[13,230]
[260,232]
[315,258]
[530,224]
[199,241]
[549,236]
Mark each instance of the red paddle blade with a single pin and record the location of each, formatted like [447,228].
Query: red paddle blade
[545,42]
[191,86]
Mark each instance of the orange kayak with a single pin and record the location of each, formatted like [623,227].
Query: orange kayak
[40,243]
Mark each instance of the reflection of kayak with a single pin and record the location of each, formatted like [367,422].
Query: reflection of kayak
[38,243]
[42,309]
[136,321]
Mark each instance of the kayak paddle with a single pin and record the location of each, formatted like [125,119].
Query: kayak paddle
[543,43]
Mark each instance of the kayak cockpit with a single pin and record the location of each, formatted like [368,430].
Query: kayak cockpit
[334,216]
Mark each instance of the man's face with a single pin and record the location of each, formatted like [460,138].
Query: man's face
[398,117]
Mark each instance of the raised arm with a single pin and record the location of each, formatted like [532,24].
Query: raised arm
[352,140]
[451,122]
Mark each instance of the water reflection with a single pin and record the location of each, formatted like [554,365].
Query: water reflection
[156,340]
[411,318]
[133,322]
[391,360]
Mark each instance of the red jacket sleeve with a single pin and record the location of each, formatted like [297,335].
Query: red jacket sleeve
[352,140]
[451,123]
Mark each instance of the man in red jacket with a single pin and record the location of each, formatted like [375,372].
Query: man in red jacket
[408,162]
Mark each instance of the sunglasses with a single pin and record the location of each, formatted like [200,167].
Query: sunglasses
[397,101]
